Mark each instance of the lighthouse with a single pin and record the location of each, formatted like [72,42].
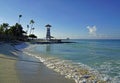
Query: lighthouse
[48,36]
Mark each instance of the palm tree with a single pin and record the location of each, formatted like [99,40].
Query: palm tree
[31,22]
[5,26]
[19,33]
[32,36]
[1,32]
[19,18]
[1,29]
[33,30]
[27,29]
[5,30]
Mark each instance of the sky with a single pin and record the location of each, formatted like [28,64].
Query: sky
[77,19]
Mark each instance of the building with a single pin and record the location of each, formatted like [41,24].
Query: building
[48,35]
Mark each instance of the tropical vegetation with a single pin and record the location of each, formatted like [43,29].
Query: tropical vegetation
[32,36]
[16,32]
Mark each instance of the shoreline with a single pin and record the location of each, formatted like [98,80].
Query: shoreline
[29,68]
[17,67]
[83,73]
[8,59]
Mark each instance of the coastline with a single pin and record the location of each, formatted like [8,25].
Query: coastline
[79,74]
[15,67]
[8,59]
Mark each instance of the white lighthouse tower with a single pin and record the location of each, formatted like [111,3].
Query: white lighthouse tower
[48,36]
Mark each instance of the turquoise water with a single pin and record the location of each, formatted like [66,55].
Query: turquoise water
[102,55]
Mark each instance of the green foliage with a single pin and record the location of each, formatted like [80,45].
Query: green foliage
[32,21]
[4,27]
[32,36]
[20,16]
[14,32]
[1,29]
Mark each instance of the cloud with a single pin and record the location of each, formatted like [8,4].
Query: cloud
[92,30]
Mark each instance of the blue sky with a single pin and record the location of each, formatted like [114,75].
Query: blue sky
[69,18]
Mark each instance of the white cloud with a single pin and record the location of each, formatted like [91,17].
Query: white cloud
[92,30]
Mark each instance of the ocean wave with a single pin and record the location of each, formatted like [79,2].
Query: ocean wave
[79,72]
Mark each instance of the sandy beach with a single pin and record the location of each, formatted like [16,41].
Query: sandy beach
[8,58]
[15,69]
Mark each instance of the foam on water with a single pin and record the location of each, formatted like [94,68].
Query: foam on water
[77,71]
[102,67]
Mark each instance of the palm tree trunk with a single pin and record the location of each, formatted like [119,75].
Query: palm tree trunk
[31,28]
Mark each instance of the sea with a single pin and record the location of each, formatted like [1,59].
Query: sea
[102,55]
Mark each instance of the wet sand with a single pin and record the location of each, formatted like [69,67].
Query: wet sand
[38,73]
[8,73]
[15,70]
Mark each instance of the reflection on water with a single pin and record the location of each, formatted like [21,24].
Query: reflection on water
[48,48]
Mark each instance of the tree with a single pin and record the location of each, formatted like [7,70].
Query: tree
[13,31]
[1,32]
[19,18]
[5,26]
[1,29]
[27,29]
[31,22]
[16,32]
[19,30]
[33,30]
[32,36]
